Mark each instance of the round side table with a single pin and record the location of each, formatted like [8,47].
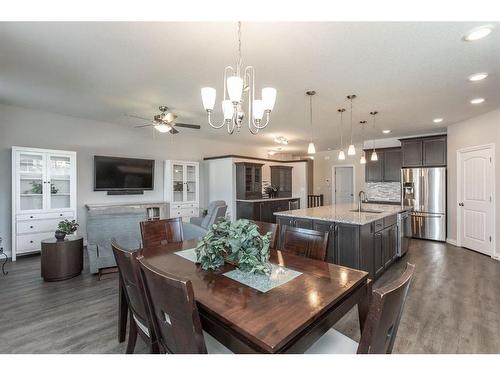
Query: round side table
[62,259]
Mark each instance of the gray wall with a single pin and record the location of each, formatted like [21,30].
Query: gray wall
[480,130]
[30,128]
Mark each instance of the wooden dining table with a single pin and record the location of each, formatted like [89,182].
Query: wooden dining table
[286,319]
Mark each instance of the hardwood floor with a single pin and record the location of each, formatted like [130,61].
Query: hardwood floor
[453,307]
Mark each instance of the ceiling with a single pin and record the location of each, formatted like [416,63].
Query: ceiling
[409,72]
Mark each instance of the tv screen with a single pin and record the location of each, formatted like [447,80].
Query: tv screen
[112,173]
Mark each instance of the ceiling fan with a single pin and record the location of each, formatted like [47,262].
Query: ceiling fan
[165,122]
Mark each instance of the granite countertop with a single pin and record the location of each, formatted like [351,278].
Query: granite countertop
[341,213]
[265,199]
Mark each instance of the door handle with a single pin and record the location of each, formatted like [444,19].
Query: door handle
[461,204]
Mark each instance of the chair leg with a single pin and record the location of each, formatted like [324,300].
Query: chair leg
[154,348]
[132,335]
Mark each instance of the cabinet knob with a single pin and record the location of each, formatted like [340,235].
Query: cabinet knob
[60,214]
[31,226]
[31,217]
[31,241]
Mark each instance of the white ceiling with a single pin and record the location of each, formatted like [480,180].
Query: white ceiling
[409,72]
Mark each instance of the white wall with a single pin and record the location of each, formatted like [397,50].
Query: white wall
[30,128]
[480,130]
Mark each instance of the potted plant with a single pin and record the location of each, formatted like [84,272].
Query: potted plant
[271,190]
[66,227]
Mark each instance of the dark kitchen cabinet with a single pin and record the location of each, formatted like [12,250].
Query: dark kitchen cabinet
[347,248]
[262,210]
[424,152]
[248,180]
[281,176]
[389,245]
[378,256]
[374,170]
[387,168]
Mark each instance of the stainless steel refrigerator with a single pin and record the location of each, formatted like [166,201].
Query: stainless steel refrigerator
[424,189]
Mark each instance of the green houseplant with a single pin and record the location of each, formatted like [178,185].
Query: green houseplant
[66,227]
[238,243]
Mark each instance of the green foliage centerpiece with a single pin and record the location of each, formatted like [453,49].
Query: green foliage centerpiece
[238,243]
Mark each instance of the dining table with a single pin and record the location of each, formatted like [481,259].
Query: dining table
[288,318]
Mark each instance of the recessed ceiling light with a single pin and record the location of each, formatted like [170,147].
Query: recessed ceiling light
[437,120]
[387,131]
[477,101]
[478,33]
[478,77]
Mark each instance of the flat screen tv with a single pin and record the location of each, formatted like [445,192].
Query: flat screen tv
[115,174]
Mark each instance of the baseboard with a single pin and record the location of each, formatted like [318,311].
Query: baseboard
[451,241]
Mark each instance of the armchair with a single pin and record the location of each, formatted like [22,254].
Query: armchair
[216,210]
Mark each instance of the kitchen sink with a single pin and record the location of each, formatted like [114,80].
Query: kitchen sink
[368,211]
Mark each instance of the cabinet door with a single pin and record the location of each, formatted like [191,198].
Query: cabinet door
[191,182]
[302,223]
[378,253]
[374,169]
[266,212]
[178,179]
[392,166]
[347,245]
[434,152]
[257,180]
[389,245]
[60,178]
[31,181]
[412,153]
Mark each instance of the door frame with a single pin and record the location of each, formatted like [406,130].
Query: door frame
[353,166]
[460,152]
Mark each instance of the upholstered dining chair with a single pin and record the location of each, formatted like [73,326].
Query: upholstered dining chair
[160,232]
[381,326]
[132,287]
[305,242]
[174,314]
[216,211]
[265,228]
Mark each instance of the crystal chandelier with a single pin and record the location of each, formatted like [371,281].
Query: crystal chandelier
[238,81]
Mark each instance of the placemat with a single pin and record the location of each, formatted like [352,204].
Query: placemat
[189,254]
[263,283]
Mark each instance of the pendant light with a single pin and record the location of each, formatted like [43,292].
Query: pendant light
[374,156]
[311,149]
[362,160]
[341,152]
[351,150]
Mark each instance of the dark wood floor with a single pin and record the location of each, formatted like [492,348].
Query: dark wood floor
[453,307]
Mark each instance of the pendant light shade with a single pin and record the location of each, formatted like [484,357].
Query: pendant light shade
[341,155]
[208,97]
[341,152]
[235,88]
[311,149]
[351,150]
[362,160]
[374,156]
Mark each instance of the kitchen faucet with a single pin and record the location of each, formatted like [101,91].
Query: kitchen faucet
[361,193]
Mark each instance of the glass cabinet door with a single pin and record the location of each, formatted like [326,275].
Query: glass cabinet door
[191,183]
[59,177]
[178,181]
[30,181]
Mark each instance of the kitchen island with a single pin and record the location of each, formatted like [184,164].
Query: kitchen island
[264,209]
[365,240]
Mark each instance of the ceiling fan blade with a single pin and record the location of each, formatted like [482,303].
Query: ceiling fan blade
[174,131]
[139,117]
[142,126]
[189,126]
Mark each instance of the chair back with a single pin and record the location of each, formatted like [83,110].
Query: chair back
[216,210]
[384,315]
[161,232]
[305,242]
[265,228]
[314,200]
[175,317]
[133,288]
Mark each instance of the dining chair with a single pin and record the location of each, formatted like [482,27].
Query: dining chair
[265,228]
[160,232]
[381,324]
[174,314]
[305,242]
[315,200]
[133,289]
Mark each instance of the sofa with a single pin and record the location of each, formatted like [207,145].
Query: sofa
[121,224]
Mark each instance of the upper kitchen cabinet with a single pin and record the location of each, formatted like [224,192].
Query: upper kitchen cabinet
[248,180]
[281,176]
[424,152]
[387,168]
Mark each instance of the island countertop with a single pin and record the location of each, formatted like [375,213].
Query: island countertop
[266,199]
[342,213]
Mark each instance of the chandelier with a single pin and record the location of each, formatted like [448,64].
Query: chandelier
[238,82]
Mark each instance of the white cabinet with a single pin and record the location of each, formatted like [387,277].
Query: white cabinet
[43,193]
[182,184]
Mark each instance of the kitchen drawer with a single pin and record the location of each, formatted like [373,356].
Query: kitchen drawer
[390,220]
[180,206]
[36,226]
[31,242]
[185,212]
[48,215]
[378,225]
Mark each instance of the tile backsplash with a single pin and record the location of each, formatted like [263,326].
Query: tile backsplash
[383,191]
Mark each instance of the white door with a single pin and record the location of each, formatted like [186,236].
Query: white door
[475,200]
[344,189]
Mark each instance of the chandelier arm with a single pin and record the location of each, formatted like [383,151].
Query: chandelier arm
[210,121]
[254,132]
[262,126]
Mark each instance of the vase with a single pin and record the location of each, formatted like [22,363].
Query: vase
[60,235]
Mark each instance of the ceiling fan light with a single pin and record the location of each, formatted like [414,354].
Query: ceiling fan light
[351,150]
[311,149]
[163,128]
[258,109]
[208,97]
[269,98]
[374,156]
[235,88]
[227,109]
[341,155]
